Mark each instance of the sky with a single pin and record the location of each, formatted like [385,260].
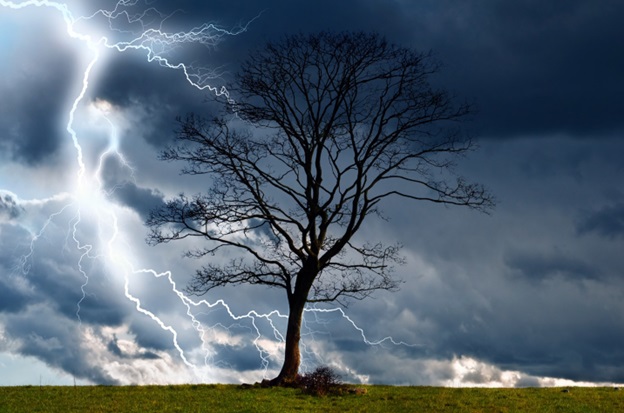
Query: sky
[529,295]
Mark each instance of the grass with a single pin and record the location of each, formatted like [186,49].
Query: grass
[230,398]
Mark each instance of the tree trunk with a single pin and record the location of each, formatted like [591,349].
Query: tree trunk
[292,356]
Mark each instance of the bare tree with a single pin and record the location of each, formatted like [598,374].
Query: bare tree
[341,122]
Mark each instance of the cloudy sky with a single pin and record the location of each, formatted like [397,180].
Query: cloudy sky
[530,295]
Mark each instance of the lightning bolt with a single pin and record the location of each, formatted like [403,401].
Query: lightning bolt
[89,194]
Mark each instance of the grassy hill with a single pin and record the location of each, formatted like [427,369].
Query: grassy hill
[230,398]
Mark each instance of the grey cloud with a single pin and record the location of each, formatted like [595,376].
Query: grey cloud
[50,275]
[14,289]
[40,290]
[541,266]
[240,358]
[142,200]
[54,340]
[608,222]
[59,283]
[9,206]
[518,289]
[12,298]
[556,330]
[129,79]
[39,304]
[483,377]
[128,193]
[149,335]
[149,355]
[532,67]
[34,94]
[114,348]
[527,381]
[552,339]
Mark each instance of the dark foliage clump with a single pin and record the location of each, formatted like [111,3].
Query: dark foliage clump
[320,382]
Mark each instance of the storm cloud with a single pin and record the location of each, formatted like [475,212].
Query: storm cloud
[34,97]
[607,221]
[529,295]
[8,206]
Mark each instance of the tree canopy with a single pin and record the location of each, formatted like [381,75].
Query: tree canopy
[325,128]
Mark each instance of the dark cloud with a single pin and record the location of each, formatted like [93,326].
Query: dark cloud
[240,358]
[34,99]
[271,19]
[539,266]
[9,207]
[12,298]
[114,348]
[54,340]
[52,311]
[608,222]
[129,83]
[533,68]
[129,79]
[142,200]
[118,183]
[50,274]
[519,289]
[149,336]
[15,293]
[551,330]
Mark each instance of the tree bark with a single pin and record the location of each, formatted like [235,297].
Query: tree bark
[296,303]
[292,355]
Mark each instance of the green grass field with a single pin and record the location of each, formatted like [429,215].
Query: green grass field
[230,398]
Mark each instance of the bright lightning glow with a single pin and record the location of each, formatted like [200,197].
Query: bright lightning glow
[89,202]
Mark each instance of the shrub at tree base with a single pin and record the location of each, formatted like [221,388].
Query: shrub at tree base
[320,382]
